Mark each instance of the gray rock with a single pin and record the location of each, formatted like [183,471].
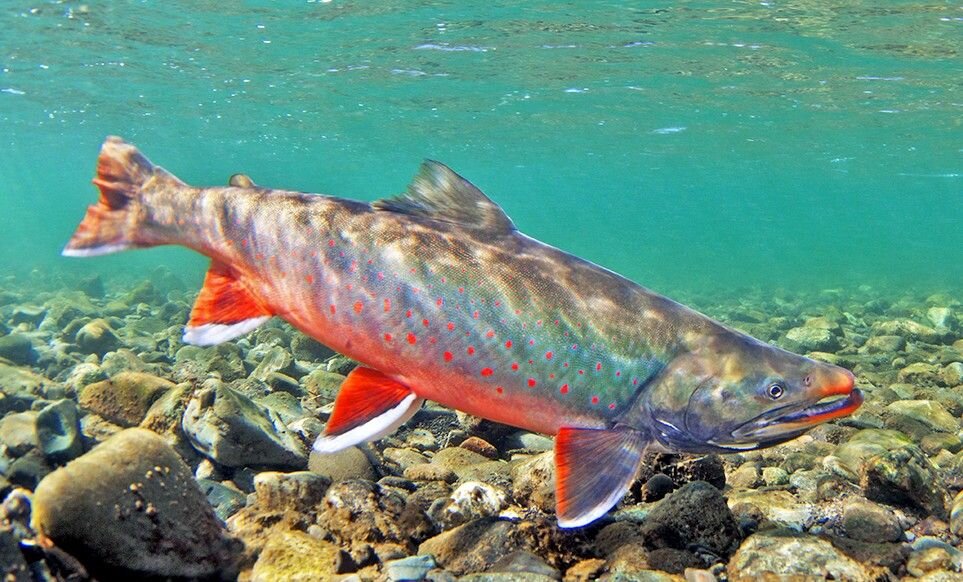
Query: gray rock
[869,522]
[225,500]
[228,427]
[398,460]
[778,555]
[275,359]
[285,404]
[350,463]
[322,385]
[58,431]
[196,363]
[941,317]
[883,344]
[18,349]
[21,388]
[306,348]
[952,374]
[905,477]
[124,399]
[811,339]
[412,568]
[300,491]
[918,418]
[28,470]
[131,508]
[97,337]
[29,314]
[908,329]
[696,514]
[920,374]
[18,431]
[524,562]
[528,441]
[13,567]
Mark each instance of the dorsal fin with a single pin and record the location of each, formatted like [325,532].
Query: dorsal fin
[241,181]
[440,194]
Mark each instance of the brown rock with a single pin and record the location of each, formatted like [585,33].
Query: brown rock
[124,399]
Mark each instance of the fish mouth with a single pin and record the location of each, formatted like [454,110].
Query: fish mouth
[790,421]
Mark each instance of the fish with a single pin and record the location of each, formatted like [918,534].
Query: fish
[439,297]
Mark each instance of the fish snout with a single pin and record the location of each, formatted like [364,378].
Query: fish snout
[836,381]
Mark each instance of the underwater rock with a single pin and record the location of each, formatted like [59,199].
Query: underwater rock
[197,363]
[917,418]
[230,428]
[18,349]
[359,512]
[477,545]
[480,446]
[296,557]
[93,286]
[130,507]
[411,568]
[528,441]
[58,431]
[13,566]
[97,337]
[907,329]
[922,562]
[920,374]
[83,374]
[941,317]
[779,555]
[64,308]
[300,491]
[906,478]
[225,500]
[471,500]
[164,416]
[869,522]
[854,453]
[350,463]
[398,460]
[883,344]
[275,359]
[28,314]
[656,487]
[533,482]
[125,398]
[322,385]
[28,470]
[811,339]
[21,388]
[952,374]
[422,440]
[696,514]
[18,432]
[778,508]
[458,460]
[287,406]
[430,472]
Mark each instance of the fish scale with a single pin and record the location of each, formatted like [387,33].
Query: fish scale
[439,297]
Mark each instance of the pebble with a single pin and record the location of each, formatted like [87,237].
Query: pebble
[349,463]
[97,337]
[125,398]
[868,522]
[17,348]
[477,545]
[131,508]
[58,431]
[430,472]
[533,482]
[471,500]
[811,339]
[410,569]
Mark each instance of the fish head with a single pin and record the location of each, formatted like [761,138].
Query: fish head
[734,393]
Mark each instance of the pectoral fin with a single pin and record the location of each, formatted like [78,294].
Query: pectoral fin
[369,406]
[594,469]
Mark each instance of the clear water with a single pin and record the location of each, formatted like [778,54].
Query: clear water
[688,145]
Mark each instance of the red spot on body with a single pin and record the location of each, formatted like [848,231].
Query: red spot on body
[564,389]
[531,382]
[518,312]
[598,367]
[548,355]
[451,326]
[309,278]
[244,243]
[330,242]
[556,322]
[349,286]
[432,340]
[408,313]
[490,334]
[580,372]
[475,314]
[595,399]
[381,276]
[387,337]
[508,344]
[370,261]
[498,303]
[448,356]
[499,389]
[424,322]
[461,289]
[618,372]
[612,406]
[551,376]
[411,338]
[487,372]
[531,342]
[259,256]
[332,308]
[515,366]
[565,364]
[471,350]
[358,306]
[539,322]
[531,361]
[387,305]
[440,302]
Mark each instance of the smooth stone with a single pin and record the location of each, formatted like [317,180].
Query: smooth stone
[124,399]
[223,361]
[868,522]
[956,515]
[775,476]
[403,458]
[920,417]
[21,387]
[883,344]
[430,472]
[908,329]
[17,348]
[695,514]
[299,491]
[656,487]
[295,556]
[28,470]
[811,339]
[480,446]
[941,317]
[412,568]
[97,337]
[276,359]
[528,441]
[920,373]
[225,500]
[322,385]
[524,562]
[867,443]
[747,476]
[231,429]
[18,431]
[923,562]
[58,431]
[422,440]
[131,508]
[285,404]
[307,348]
[476,545]
[83,374]
[785,555]
[349,463]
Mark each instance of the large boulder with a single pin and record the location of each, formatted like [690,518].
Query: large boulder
[130,507]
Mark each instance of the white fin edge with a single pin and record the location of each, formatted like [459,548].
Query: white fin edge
[95,251]
[600,509]
[211,334]
[379,426]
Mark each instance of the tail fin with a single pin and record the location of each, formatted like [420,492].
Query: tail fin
[113,223]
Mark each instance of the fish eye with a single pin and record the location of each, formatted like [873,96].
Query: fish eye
[775,390]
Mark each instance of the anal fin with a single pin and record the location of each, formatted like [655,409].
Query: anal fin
[369,406]
[594,470]
[224,309]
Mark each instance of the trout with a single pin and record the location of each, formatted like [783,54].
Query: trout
[439,297]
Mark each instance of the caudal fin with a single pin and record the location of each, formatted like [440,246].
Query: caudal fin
[113,224]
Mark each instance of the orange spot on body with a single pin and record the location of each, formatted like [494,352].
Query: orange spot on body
[309,278]
[490,334]
[424,322]
[332,308]
[499,389]
[358,306]
[387,305]
[451,326]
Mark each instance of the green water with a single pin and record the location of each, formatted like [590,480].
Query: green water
[688,145]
